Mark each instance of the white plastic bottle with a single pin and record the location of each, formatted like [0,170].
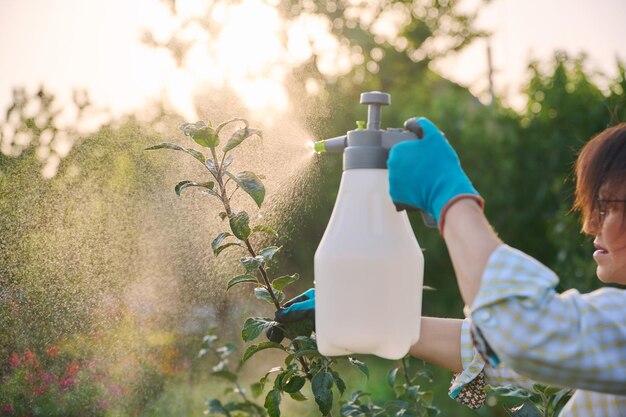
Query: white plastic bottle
[368,272]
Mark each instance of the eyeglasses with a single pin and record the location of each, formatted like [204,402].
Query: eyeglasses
[604,205]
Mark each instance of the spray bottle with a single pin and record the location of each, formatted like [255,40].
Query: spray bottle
[368,266]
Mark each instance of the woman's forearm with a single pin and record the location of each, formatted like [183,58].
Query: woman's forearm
[470,240]
[440,343]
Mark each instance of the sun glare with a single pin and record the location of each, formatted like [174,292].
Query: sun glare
[245,55]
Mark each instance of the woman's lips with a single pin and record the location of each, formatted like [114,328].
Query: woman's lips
[600,251]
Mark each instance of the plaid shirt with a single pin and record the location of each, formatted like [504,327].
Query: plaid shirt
[571,339]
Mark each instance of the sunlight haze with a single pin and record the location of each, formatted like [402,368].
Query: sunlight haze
[97,45]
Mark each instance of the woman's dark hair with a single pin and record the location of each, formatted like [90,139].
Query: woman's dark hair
[601,162]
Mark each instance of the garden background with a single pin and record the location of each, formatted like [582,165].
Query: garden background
[108,283]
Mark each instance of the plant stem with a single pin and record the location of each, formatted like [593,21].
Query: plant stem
[405,368]
[220,182]
[266,280]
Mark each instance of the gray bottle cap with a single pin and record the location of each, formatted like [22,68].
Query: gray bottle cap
[369,148]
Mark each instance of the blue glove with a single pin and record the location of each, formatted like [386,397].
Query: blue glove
[426,174]
[295,318]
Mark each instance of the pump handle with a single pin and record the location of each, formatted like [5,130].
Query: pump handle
[374,100]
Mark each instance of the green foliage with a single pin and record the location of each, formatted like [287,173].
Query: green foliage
[253,327]
[540,401]
[410,399]
[251,184]
[322,384]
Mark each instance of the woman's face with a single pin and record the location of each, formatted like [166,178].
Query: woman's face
[610,239]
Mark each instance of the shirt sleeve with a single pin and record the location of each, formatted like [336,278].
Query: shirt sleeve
[569,339]
[467,385]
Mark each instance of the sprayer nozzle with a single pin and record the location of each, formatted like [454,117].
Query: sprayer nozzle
[319,146]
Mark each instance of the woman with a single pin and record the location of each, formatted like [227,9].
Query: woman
[519,330]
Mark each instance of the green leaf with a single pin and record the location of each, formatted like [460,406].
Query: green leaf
[391,376]
[240,225]
[341,385]
[424,373]
[253,349]
[272,403]
[322,384]
[247,407]
[224,246]
[202,134]
[226,375]
[511,391]
[432,411]
[303,327]
[239,136]
[184,184]
[414,392]
[253,327]
[216,407]
[281,282]
[218,240]
[297,396]
[257,389]
[546,389]
[264,229]
[227,161]
[398,408]
[362,366]
[206,137]
[250,264]
[210,165]
[269,252]
[304,342]
[169,145]
[289,359]
[240,279]
[526,409]
[293,384]
[251,184]
[234,119]
[223,215]
[263,294]
[358,394]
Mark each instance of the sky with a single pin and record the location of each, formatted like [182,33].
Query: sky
[533,30]
[96,45]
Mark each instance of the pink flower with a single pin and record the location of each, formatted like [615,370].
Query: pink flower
[30,378]
[15,360]
[30,358]
[66,383]
[115,390]
[7,409]
[103,404]
[47,378]
[53,351]
[72,369]
[39,390]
